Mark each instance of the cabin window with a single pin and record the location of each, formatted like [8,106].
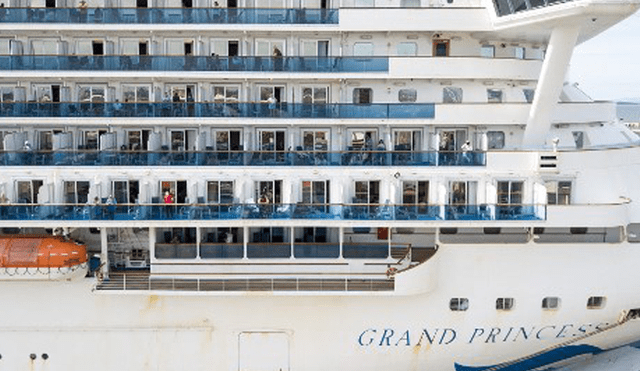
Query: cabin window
[415,192]
[558,192]
[76,192]
[125,191]
[5,48]
[407,95]
[225,48]
[182,93]
[270,48]
[494,96]
[176,189]
[315,140]
[219,192]
[596,302]
[487,51]
[519,52]
[495,139]
[135,93]
[440,48]
[28,191]
[504,303]
[268,192]
[362,95]
[314,48]
[92,94]
[528,95]
[578,138]
[367,192]
[6,94]
[459,304]
[315,192]
[451,94]
[315,94]
[363,49]
[226,93]
[510,192]
[407,49]
[462,193]
[227,140]
[407,140]
[551,303]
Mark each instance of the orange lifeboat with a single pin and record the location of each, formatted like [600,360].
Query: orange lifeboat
[41,257]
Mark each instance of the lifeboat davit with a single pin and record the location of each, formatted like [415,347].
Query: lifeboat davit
[41,258]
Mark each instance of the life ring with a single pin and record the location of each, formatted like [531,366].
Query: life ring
[391,272]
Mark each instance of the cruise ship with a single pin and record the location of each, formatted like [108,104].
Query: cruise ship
[312,185]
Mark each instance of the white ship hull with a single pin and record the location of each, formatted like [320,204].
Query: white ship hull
[76,326]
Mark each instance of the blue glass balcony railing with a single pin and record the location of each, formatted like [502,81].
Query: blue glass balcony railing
[364,212]
[268,250]
[169,16]
[227,110]
[192,63]
[241,158]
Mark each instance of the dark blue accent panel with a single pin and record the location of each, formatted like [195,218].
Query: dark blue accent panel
[543,359]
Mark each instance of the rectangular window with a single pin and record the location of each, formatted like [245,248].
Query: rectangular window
[268,191]
[314,48]
[362,95]
[28,191]
[451,94]
[519,52]
[495,139]
[558,192]
[362,139]
[550,303]
[125,191]
[314,94]
[315,192]
[135,93]
[415,192]
[407,95]
[363,49]
[596,302]
[7,94]
[494,96]
[91,139]
[219,192]
[367,192]
[440,48]
[462,193]
[459,304]
[407,49]
[225,48]
[510,192]
[270,48]
[92,94]
[504,303]
[277,92]
[76,192]
[316,140]
[528,95]
[407,140]
[226,93]
[487,51]
[228,140]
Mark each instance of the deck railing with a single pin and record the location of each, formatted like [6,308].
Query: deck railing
[139,282]
[192,63]
[359,157]
[225,110]
[364,212]
[169,16]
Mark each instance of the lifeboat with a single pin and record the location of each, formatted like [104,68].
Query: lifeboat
[41,258]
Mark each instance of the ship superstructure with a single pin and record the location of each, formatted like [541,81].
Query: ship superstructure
[307,185]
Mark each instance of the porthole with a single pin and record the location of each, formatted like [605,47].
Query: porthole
[551,303]
[504,303]
[596,302]
[459,304]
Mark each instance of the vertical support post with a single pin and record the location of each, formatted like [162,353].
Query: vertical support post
[554,68]
[341,240]
[245,240]
[152,244]
[292,238]
[198,241]
[104,253]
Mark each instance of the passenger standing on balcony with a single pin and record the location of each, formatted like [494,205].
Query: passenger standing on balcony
[111,206]
[466,153]
[82,8]
[3,208]
[168,200]
[277,56]
[272,101]
[381,148]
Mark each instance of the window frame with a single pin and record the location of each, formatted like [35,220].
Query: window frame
[459,304]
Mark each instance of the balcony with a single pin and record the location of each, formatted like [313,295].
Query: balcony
[353,157]
[169,16]
[364,212]
[224,110]
[192,63]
